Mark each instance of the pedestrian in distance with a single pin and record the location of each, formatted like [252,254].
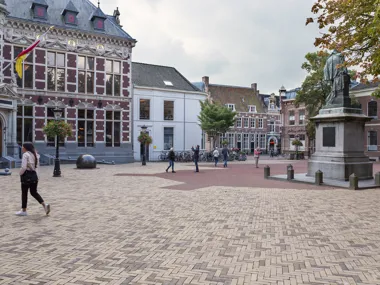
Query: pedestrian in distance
[196,157]
[215,153]
[225,154]
[171,157]
[29,178]
[256,156]
[271,153]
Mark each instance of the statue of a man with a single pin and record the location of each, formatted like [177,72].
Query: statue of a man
[335,73]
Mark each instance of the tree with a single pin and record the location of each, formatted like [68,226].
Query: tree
[314,89]
[215,119]
[353,28]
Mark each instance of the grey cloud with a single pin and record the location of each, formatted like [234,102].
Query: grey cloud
[234,42]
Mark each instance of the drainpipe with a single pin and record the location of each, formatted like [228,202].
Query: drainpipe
[184,121]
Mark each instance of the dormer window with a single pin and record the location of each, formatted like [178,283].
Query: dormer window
[98,19]
[39,8]
[70,14]
[252,109]
[230,106]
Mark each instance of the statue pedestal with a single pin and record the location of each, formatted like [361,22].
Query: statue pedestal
[340,145]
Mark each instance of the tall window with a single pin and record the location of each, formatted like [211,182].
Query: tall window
[25,124]
[262,141]
[144,109]
[253,123]
[27,69]
[113,77]
[168,110]
[222,138]
[372,141]
[261,123]
[168,138]
[238,122]
[271,126]
[231,140]
[113,128]
[245,141]
[372,109]
[50,117]
[245,121]
[85,74]
[85,128]
[302,117]
[56,71]
[291,118]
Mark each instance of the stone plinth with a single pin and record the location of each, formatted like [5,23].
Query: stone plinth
[340,145]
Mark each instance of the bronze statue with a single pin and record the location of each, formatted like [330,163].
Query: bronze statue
[337,74]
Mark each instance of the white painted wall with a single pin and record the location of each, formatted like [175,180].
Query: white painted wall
[187,132]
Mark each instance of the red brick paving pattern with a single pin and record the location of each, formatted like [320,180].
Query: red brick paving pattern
[236,175]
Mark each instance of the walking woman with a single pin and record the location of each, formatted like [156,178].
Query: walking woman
[171,157]
[29,178]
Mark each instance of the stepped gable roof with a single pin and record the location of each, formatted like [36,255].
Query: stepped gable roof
[155,76]
[242,97]
[21,9]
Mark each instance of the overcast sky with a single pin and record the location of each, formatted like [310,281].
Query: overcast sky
[233,42]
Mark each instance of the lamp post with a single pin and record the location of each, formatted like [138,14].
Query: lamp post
[57,167]
[143,161]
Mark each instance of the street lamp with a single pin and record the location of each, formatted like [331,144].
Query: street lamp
[57,167]
[143,161]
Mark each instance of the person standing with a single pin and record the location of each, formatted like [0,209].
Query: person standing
[171,157]
[196,157]
[225,153]
[215,153]
[29,178]
[256,156]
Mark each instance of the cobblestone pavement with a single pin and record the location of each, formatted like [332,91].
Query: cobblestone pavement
[107,229]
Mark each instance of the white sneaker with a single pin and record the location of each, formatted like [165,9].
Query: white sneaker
[47,209]
[21,213]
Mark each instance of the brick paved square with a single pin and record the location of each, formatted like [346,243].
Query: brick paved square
[145,229]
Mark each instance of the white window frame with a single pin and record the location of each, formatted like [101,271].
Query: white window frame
[261,123]
[246,123]
[230,106]
[252,109]
[238,123]
[253,120]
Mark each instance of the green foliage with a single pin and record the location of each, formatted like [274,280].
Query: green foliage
[145,138]
[297,143]
[353,28]
[314,89]
[215,119]
[225,142]
[58,128]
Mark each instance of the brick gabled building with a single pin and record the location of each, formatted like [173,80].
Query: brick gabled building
[256,125]
[82,66]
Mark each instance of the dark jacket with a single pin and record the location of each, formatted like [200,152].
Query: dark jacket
[225,152]
[196,152]
[171,155]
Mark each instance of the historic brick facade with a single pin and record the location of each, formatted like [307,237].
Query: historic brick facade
[83,70]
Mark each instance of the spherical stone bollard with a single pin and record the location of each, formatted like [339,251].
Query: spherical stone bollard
[86,161]
[6,170]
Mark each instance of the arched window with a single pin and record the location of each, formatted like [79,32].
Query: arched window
[372,109]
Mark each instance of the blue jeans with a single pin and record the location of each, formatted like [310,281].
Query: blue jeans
[171,164]
[216,160]
[196,164]
[225,159]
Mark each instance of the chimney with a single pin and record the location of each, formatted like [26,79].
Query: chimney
[206,81]
[254,86]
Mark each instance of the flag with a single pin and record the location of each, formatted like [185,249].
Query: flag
[25,53]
